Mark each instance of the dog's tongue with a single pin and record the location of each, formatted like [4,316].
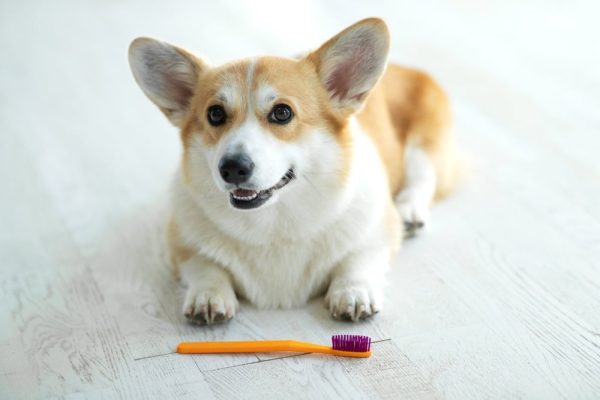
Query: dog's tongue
[244,192]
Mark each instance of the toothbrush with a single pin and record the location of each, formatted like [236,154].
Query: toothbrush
[342,345]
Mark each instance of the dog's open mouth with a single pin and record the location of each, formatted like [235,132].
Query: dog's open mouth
[247,198]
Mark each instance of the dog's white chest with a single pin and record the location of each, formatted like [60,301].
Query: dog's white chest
[280,275]
[280,257]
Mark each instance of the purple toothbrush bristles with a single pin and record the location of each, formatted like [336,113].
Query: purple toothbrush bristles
[355,343]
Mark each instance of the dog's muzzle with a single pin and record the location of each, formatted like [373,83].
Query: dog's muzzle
[247,199]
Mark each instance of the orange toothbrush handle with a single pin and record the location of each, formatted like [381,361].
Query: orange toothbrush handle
[262,346]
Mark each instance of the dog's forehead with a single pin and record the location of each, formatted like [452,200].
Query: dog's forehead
[257,81]
[229,81]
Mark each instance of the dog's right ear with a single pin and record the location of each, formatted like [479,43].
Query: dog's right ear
[167,75]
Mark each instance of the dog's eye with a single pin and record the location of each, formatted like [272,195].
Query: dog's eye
[216,115]
[281,114]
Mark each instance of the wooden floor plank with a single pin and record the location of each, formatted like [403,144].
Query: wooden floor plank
[388,374]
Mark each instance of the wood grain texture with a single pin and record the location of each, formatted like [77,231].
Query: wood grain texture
[499,299]
[386,375]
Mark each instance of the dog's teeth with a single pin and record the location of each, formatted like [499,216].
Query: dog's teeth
[263,194]
[245,198]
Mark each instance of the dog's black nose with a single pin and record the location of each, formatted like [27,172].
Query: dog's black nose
[236,168]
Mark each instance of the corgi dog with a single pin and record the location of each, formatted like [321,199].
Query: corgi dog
[298,176]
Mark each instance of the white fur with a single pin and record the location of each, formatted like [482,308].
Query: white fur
[272,157]
[415,198]
[227,94]
[328,230]
[265,95]
[320,234]
[210,297]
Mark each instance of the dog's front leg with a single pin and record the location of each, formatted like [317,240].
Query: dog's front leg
[356,288]
[210,297]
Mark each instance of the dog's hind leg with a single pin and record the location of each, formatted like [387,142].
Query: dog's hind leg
[430,163]
[416,196]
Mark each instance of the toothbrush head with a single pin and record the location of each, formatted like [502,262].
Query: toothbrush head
[353,343]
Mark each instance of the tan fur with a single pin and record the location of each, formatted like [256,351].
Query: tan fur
[408,106]
[209,82]
[390,126]
[290,78]
[309,102]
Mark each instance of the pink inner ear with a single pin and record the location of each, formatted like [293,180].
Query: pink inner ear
[177,84]
[346,74]
[178,90]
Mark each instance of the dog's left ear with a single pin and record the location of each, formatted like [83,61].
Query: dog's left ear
[350,64]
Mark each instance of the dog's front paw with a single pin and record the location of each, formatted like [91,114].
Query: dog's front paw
[204,306]
[414,211]
[353,303]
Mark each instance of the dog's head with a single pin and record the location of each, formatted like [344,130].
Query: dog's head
[257,127]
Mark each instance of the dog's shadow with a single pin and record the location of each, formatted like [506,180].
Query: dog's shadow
[141,289]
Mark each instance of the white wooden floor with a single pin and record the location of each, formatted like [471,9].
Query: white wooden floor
[499,300]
